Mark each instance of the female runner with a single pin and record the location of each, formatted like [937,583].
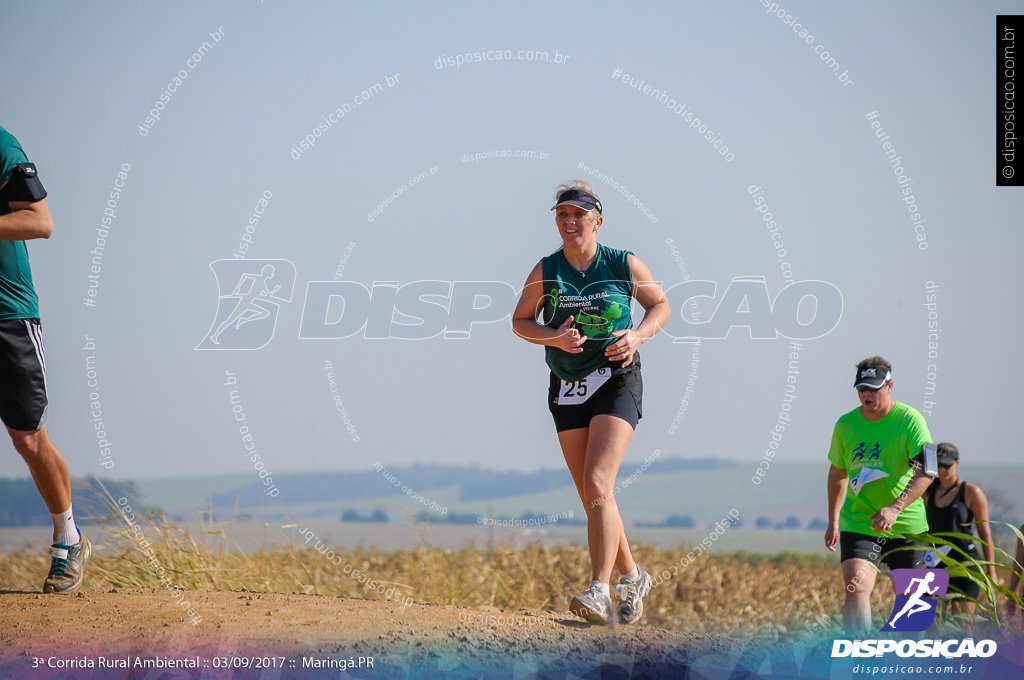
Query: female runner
[954,505]
[582,293]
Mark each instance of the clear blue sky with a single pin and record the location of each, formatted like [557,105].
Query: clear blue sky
[79,81]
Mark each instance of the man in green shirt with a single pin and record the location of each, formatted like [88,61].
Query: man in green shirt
[875,484]
[24,215]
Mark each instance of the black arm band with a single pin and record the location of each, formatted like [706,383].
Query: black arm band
[23,185]
[919,464]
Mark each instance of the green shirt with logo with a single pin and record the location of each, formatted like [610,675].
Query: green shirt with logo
[17,295]
[887,445]
[597,299]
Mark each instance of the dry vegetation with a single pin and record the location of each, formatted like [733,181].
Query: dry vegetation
[737,594]
[726,594]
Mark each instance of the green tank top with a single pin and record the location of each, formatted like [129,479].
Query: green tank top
[599,301]
[17,295]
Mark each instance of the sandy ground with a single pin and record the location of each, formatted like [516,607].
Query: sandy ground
[107,634]
[405,641]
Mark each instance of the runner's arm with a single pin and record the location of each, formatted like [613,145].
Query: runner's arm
[656,313]
[838,478]
[915,488]
[524,318]
[977,502]
[650,296]
[26,221]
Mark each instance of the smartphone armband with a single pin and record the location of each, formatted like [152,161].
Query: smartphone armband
[23,185]
[928,459]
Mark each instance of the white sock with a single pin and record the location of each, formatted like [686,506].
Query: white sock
[602,586]
[64,529]
[633,575]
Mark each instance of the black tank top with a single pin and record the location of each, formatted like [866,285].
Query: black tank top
[955,517]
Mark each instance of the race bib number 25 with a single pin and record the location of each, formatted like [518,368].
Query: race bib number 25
[575,392]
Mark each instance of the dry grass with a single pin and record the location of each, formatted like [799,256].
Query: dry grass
[727,594]
[731,594]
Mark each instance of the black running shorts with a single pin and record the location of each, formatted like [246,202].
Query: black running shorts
[621,397]
[22,375]
[877,549]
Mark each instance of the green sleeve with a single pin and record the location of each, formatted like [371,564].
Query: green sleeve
[837,451]
[11,154]
[917,434]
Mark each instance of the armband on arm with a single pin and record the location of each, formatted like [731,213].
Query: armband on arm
[23,185]
[926,462]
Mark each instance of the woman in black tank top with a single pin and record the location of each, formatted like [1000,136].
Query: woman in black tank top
[953,505]
[955,516]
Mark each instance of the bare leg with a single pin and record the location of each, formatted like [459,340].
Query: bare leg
[858,581]
[48,468]
[574,449]
[603,445]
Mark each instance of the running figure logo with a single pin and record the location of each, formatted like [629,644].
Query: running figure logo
[914,610]
[247,315]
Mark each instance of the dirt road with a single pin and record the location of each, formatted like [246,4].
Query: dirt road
[95,634]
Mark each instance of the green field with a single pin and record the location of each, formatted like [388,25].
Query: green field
[796,489]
